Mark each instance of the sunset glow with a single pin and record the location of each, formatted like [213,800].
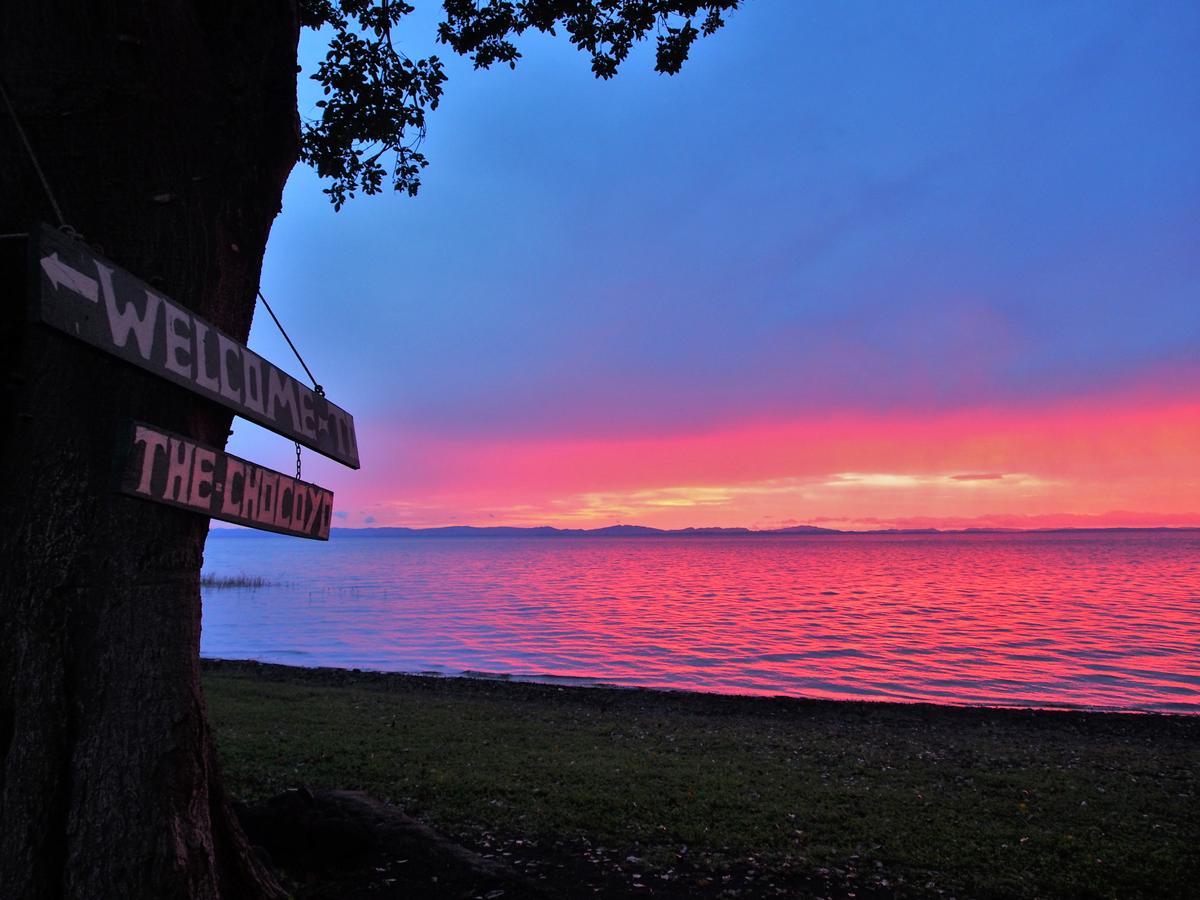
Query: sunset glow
[1124,461]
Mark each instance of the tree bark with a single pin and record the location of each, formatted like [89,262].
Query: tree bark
[166,130]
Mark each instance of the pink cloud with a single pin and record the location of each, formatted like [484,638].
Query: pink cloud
[1129,450]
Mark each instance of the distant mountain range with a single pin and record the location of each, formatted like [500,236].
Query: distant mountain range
[548,531]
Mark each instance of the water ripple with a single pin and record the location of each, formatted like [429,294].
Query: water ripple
[1082,620]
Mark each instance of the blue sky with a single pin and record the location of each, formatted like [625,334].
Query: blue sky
[909,209]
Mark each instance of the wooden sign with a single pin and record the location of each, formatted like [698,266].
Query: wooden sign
[89,298]
[175,470]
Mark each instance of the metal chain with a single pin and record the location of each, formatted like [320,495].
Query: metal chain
[297,460]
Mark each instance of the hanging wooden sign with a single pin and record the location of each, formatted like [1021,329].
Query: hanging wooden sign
[86,296]
[175,470]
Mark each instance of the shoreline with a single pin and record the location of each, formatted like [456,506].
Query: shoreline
[340,675]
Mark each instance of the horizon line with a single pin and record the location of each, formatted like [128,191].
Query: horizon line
[784,531]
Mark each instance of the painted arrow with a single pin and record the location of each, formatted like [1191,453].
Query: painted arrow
[62,275]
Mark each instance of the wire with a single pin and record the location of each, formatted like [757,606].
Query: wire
[320,391]
[316,387]
[33,158]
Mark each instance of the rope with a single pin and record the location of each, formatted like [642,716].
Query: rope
[320,391]
[62,223]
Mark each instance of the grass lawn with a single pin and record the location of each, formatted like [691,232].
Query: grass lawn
[692,794]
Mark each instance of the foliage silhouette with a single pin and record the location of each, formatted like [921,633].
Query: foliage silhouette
[376,98]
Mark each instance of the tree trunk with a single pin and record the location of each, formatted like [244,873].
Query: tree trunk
[166,130]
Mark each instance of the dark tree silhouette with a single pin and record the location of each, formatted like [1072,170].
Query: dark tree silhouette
[167,131]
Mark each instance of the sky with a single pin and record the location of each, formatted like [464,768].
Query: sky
[859,265]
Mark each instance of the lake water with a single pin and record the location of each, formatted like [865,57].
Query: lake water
[1056,620]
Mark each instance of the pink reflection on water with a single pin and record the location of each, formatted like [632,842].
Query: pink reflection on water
[1094,620]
